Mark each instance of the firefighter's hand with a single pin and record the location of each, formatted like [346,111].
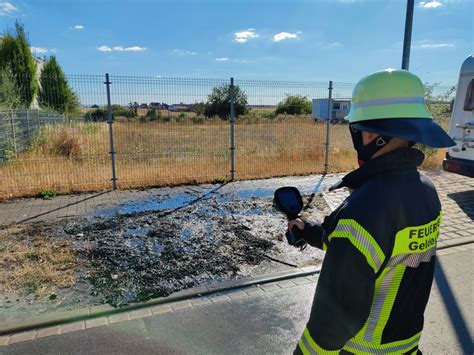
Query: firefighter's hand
[296,222]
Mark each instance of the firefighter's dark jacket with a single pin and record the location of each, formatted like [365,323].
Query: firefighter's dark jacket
[378,269]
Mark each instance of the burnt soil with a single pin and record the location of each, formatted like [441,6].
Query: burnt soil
[128,258]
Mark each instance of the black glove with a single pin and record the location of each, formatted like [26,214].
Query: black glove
[295,237]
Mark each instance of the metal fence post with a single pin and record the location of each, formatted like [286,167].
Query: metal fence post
[28,125]
[328,122]
[13,133]
[232,130]
[110,121]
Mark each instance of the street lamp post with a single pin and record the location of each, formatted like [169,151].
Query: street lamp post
[407,38]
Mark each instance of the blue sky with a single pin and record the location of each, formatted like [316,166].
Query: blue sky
[319,40]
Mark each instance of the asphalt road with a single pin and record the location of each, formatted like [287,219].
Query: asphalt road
[266,323]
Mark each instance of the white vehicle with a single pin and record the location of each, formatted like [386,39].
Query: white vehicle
[460,158]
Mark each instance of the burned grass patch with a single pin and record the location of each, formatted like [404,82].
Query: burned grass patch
[30,262]
[121,257]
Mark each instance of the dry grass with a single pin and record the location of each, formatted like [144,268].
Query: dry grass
[29,262]
[75,158]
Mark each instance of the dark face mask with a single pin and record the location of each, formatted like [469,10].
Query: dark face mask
[365,152]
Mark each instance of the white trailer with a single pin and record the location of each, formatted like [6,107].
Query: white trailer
[460,158]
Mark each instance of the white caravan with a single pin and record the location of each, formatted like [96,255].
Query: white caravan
[460,158]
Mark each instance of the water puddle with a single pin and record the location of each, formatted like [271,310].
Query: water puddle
[158,247]
[180,200]
[136,244]
[135,232]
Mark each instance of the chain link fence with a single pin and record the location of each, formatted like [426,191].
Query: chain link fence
[153,131]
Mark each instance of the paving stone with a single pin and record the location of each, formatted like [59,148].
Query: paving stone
[461,248]
[161,309]
[466,233]
[270,287]
[46,332]
[119,317]
[180,305]
[235,295]
[4,340]
[445,252]
[96,322]
[252,291]
[301,281]
[72,327]
[200,302]
[140,313]
[286,284]
[219,298]
[19,337]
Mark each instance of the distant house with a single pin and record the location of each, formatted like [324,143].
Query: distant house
[95,106]
[143,106]
[155,105]
[158,106]
[339,109]
[181,108]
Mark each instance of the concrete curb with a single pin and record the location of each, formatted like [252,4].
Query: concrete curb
[59,318]
[448,243]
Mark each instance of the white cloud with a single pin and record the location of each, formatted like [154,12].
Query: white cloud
[241,61]
[244,36]
[78,27]
[182,52]
[53,50]
[38,50]
[7,7]
[121,49]
[222,59]
[104,49]
[284,36]
[435,45]
[134,49]
[335,45]
[429,4]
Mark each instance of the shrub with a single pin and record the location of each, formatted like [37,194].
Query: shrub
[153,115]
[66,143]
[294,105]
[47,194]
[97,115]
[197,119]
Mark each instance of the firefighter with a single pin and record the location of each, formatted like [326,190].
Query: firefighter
[380,242]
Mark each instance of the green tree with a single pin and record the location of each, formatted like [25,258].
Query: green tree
[15,55]
[133,109]
[9,96]
[294,105]
[439,106]
[55,92]
[218,102]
